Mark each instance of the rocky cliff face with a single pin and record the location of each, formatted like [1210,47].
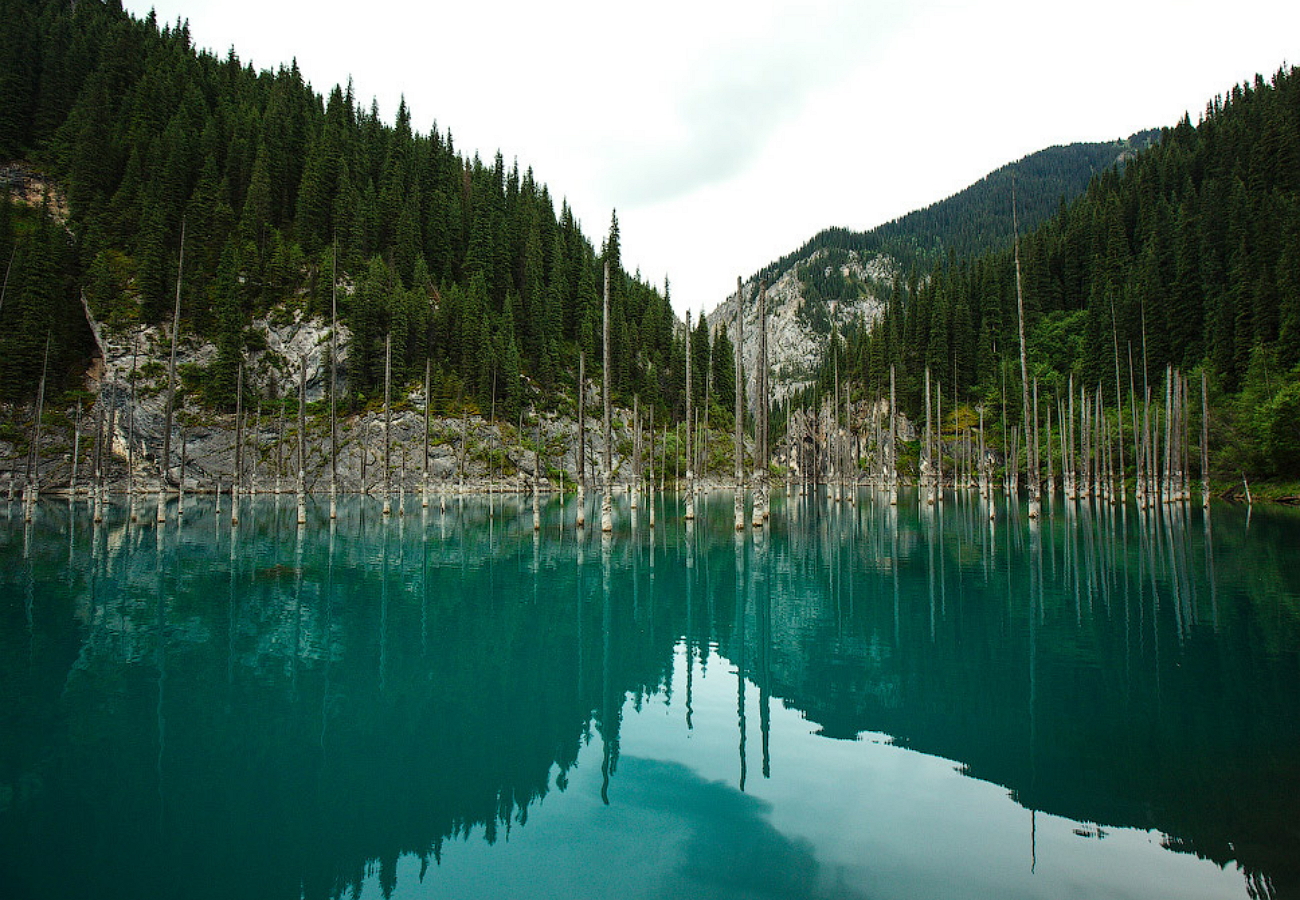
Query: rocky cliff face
[797,333]
[130,382]
[131,407]
[130,379]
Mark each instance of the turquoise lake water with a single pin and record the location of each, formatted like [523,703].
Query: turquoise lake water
[861,701]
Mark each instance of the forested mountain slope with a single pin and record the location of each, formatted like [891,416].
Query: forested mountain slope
[279,193]
[978,218]
[1188,256]
[841,280]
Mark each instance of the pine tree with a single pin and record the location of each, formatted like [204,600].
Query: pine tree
[220,383]
[724,378]
[700,360]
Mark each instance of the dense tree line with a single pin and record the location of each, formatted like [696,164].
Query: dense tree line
[1187,256]
[713,374]
[465,263]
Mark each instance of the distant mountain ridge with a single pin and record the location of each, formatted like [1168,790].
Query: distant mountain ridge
[840,279]
[978,218]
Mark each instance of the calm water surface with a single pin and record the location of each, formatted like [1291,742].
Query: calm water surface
[865,701]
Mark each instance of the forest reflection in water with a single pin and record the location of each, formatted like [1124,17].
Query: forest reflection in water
[860,700]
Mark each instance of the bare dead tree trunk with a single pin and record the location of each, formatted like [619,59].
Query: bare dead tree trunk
[237,477]
[893,438]
[851,448]
[938,443]
[762,462]
[1030,438]
[787,441]
[165,463]
[740,406]
[635,499]
[1184,438]
[650,487]
[1033,445]
[424,468]
[180,483]
[537,470]
[130,435]
[1047,457]
[1205,441]
[607,500]
[256,478]
[1008,459]
[1149,432]
[581,519]
[1168,493]
[690,447]
[76,452]
[32,489]
[97,505]
[492,422]
[334,385]
[302,441]
[464,446]
[388,424]
[1071,463]
[1087,431]
[927,466]
[1119,402]
[279,449]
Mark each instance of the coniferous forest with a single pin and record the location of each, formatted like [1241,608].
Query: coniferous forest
[136,152]
[1186,256]
[275,191]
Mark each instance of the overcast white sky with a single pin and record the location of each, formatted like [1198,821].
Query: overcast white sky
[726,134]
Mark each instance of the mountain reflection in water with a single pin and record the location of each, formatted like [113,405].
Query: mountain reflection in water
[865,700]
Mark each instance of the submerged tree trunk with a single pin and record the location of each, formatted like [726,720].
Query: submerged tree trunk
[762,461]
[180,482]
[334,386]
[938,442]
[424,469]
[76,452]
[257,449]
[690,447]
[302,441]
[1031,440]
[32,489]
[388,424]
[581,516]
[833,444]
[1205,442]
[893,438]
[927,463]
[635,498]
[1047,456]
[97,504]
[740,407]
[537,470]
[130,434]
[1119,402]
[607,500]
[1069,462]
[279,449]
[1008,458]
[650,486]
[237,477]
[165,462]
